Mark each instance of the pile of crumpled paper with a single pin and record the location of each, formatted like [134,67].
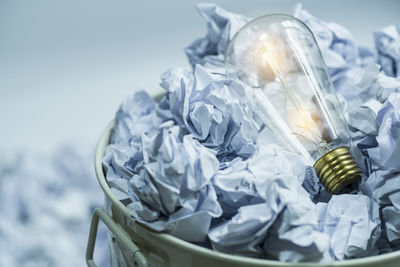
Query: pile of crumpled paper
[46,204]
[199,165]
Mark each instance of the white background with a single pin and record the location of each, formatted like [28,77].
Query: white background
[65,66]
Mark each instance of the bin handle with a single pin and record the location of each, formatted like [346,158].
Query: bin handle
[121,235]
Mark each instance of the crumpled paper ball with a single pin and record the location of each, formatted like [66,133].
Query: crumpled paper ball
[266,199]
[216,112]
[387,42]
[161,172]
[353,213]
[222,25]
[173,188]
[383,187]
[387,153]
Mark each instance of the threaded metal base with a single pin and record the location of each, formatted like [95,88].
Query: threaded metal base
[338,171]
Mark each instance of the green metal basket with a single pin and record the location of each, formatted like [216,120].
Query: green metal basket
[133,244]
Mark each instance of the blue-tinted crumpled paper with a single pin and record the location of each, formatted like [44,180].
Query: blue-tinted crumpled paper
[383,186]
[133,122]
[387,42]
[240,183]
[222,25]
[46,204]
[173,187]
[256,199]
[376,85]
[387,153]
[165,176]
[216,112]
[269,206]
[348,219]
[372,88]
[124,157]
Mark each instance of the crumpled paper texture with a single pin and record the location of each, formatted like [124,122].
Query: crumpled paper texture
[222,25]
[266,198]
[347,219]
[173,187]
[164,179]
[386,154]
[387,41]
[202,152]
[216,112]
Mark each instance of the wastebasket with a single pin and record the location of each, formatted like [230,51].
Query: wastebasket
[133,244]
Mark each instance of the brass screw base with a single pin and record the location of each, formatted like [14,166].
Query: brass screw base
[338,171]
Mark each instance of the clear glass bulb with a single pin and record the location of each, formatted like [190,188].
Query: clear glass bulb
[285,77]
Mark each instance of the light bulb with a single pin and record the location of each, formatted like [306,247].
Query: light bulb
[285,78]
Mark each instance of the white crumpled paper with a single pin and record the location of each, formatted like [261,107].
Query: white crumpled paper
[387,153]
[222,25]
[348,220]
[173,188]
[202,153]
[383,187]
[387,41]
[165,176]
[216,112]
[265,198]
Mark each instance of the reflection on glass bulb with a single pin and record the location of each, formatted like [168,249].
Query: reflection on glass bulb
[279,61]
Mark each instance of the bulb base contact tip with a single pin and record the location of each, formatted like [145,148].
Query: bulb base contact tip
[338,171]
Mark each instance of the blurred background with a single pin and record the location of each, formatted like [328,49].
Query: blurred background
[65,66]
